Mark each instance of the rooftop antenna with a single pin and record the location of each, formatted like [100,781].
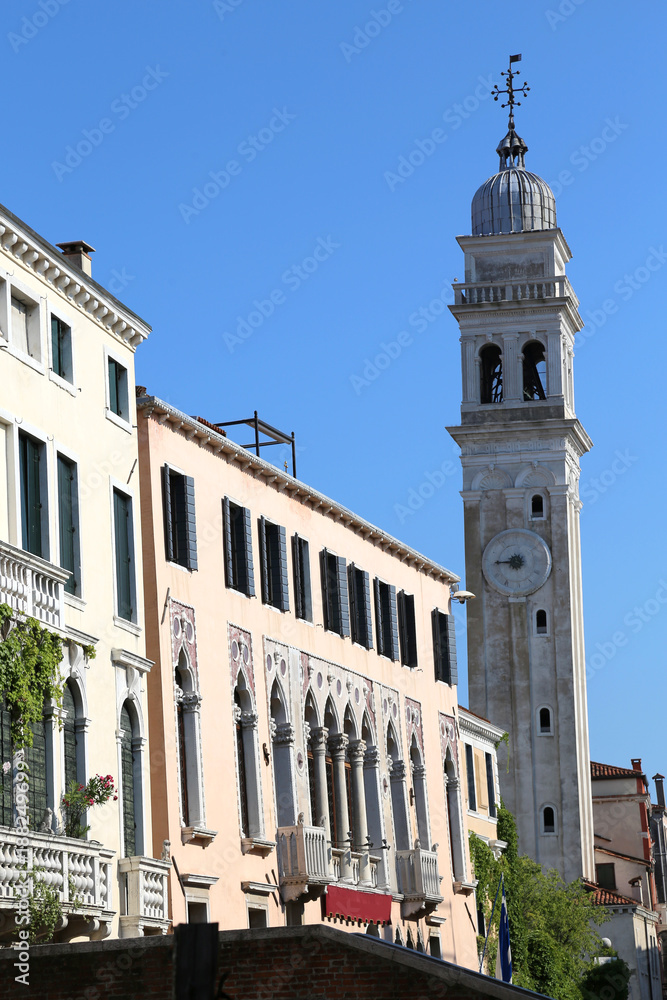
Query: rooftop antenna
[511,90]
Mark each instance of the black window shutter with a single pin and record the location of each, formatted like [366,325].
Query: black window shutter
[437,649]
[343,604]
[378,617]
[470,769]
[367,611]
[395,655]
[402,626]
[69,737]
[190,523]
[168,523]
[284,584]
[307,597]
[250,576]
[355,630]
[127,778]
[263,560]
[299,603]
[324,564]
[451,649]
[227,540]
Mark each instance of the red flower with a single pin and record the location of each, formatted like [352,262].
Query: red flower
[115,797]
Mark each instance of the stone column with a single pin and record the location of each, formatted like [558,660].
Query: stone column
[512,381]
[338,750]
[318,744]
[356,752]
[374,812]
[283,771]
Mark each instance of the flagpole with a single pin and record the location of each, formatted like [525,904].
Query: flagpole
[493,910]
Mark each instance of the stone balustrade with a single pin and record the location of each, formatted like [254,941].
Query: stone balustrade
[145,896]
[32,586]
[303,859]
[475,293]
[418,878]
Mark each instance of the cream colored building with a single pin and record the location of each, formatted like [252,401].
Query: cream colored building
[479,777]
[70,556]
[303,712]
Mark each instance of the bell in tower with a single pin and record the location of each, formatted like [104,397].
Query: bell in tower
[521,445]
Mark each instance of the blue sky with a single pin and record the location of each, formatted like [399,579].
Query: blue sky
[221,144]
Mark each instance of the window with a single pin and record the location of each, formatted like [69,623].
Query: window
[124,542]
[273,554]
[257,917]
[434,945]
[545,721]
[118,401]
[127,765]
[470,773]
[444,647]
[188,732]
[34,513]
[605,875]
[35,759]
[25,326]
[303,600]
[491,374]
[68,523]
[537,507]
[239,573]
[6,751]
[548,820]
[197,912]
[61,349]
[72,754]
[361,624]
[541,623]
[491,786]
[534,371]
[180,525]
[386,620]
[247,761]
[334,594]
[407,629]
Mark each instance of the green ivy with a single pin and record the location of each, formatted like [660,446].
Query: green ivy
[45,907]
[30,657]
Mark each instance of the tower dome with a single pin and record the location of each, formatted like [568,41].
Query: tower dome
[514,200]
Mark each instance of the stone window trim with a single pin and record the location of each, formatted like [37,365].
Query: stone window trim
[127,697]
[544,727]
[548,813]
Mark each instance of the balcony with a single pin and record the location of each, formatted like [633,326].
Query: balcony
[32,586]
[303,860]
[418,880]
[477,293]
[145,900]
[79,871]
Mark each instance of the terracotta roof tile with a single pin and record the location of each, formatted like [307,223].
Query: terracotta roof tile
[605,897]
[609,771]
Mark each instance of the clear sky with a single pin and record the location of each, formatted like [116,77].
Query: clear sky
[236,165]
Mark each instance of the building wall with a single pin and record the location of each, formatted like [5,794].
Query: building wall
[305,659]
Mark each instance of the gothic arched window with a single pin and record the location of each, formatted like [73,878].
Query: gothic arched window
[534,371]
[541,622]
[71,740]
[127,778]
[548,819]
[545,720]
[283,750]
[247,772]
[189,759]
[419,787]
[399,807]
[35,758]
[491,374]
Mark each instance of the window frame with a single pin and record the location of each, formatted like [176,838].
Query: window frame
[491,784]
[123,421]
[180,530]
[540,730]
[34,325]
[407,629]
[335,599]
[66,376]
[75,572]
[273,564]
[359,595]
[303,592]
[386,620]
[45,496]
[122,490]
[543,831]
[470,777]
[232,538]
[444,650]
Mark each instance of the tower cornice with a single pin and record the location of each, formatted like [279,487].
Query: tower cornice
[519,434]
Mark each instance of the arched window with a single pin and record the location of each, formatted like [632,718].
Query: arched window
[548,819]
[127,779]
[247,762]
[491,374]
[419,789]
[35,758]
[545,720]
[6,752]
[241,766]
[541,622]
[534,371]
[399,807]
[453,790]
[283,753]
[188,705]
[537,506]
[72,740]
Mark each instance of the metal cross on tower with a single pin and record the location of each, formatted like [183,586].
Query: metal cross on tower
[511,90]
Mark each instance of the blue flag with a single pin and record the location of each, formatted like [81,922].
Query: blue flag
[504,961]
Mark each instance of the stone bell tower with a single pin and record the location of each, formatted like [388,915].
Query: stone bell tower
[520,445]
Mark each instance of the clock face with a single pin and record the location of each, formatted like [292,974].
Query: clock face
[516,562]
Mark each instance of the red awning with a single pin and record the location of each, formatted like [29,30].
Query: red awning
[370,907]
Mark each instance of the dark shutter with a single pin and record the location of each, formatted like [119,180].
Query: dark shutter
[378,617]
[490,785]
[393,618]
[263,560]
[407,629]
[343,604]
[127,778]
[470,772]
[437,646]
[249,574]
[298,578]
[35,758]
[123,528]
[55,346]
[114,402]
[302,561]
[282,563]
[168,523]
[355,631]
[31,506]
[444,647]
[66,521]
[367,610]
[451,649]
[227,539]
[69,737]
[190,523]
[326,607]
[6,756]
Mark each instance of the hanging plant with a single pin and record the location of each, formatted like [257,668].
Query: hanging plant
[79,798]
[30,657]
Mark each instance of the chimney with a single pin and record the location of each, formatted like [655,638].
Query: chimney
[637,763]
[659,789]
[78,253]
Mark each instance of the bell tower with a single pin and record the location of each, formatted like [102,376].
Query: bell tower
[521,445]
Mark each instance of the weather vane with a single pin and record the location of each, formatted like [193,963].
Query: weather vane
[511,90]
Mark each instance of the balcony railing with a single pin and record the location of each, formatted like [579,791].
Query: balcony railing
[303,859]
[32,586]
[475,293]
[78,870]
[418,877]
[145,896]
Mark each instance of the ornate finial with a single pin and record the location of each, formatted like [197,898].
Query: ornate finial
[511,90]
